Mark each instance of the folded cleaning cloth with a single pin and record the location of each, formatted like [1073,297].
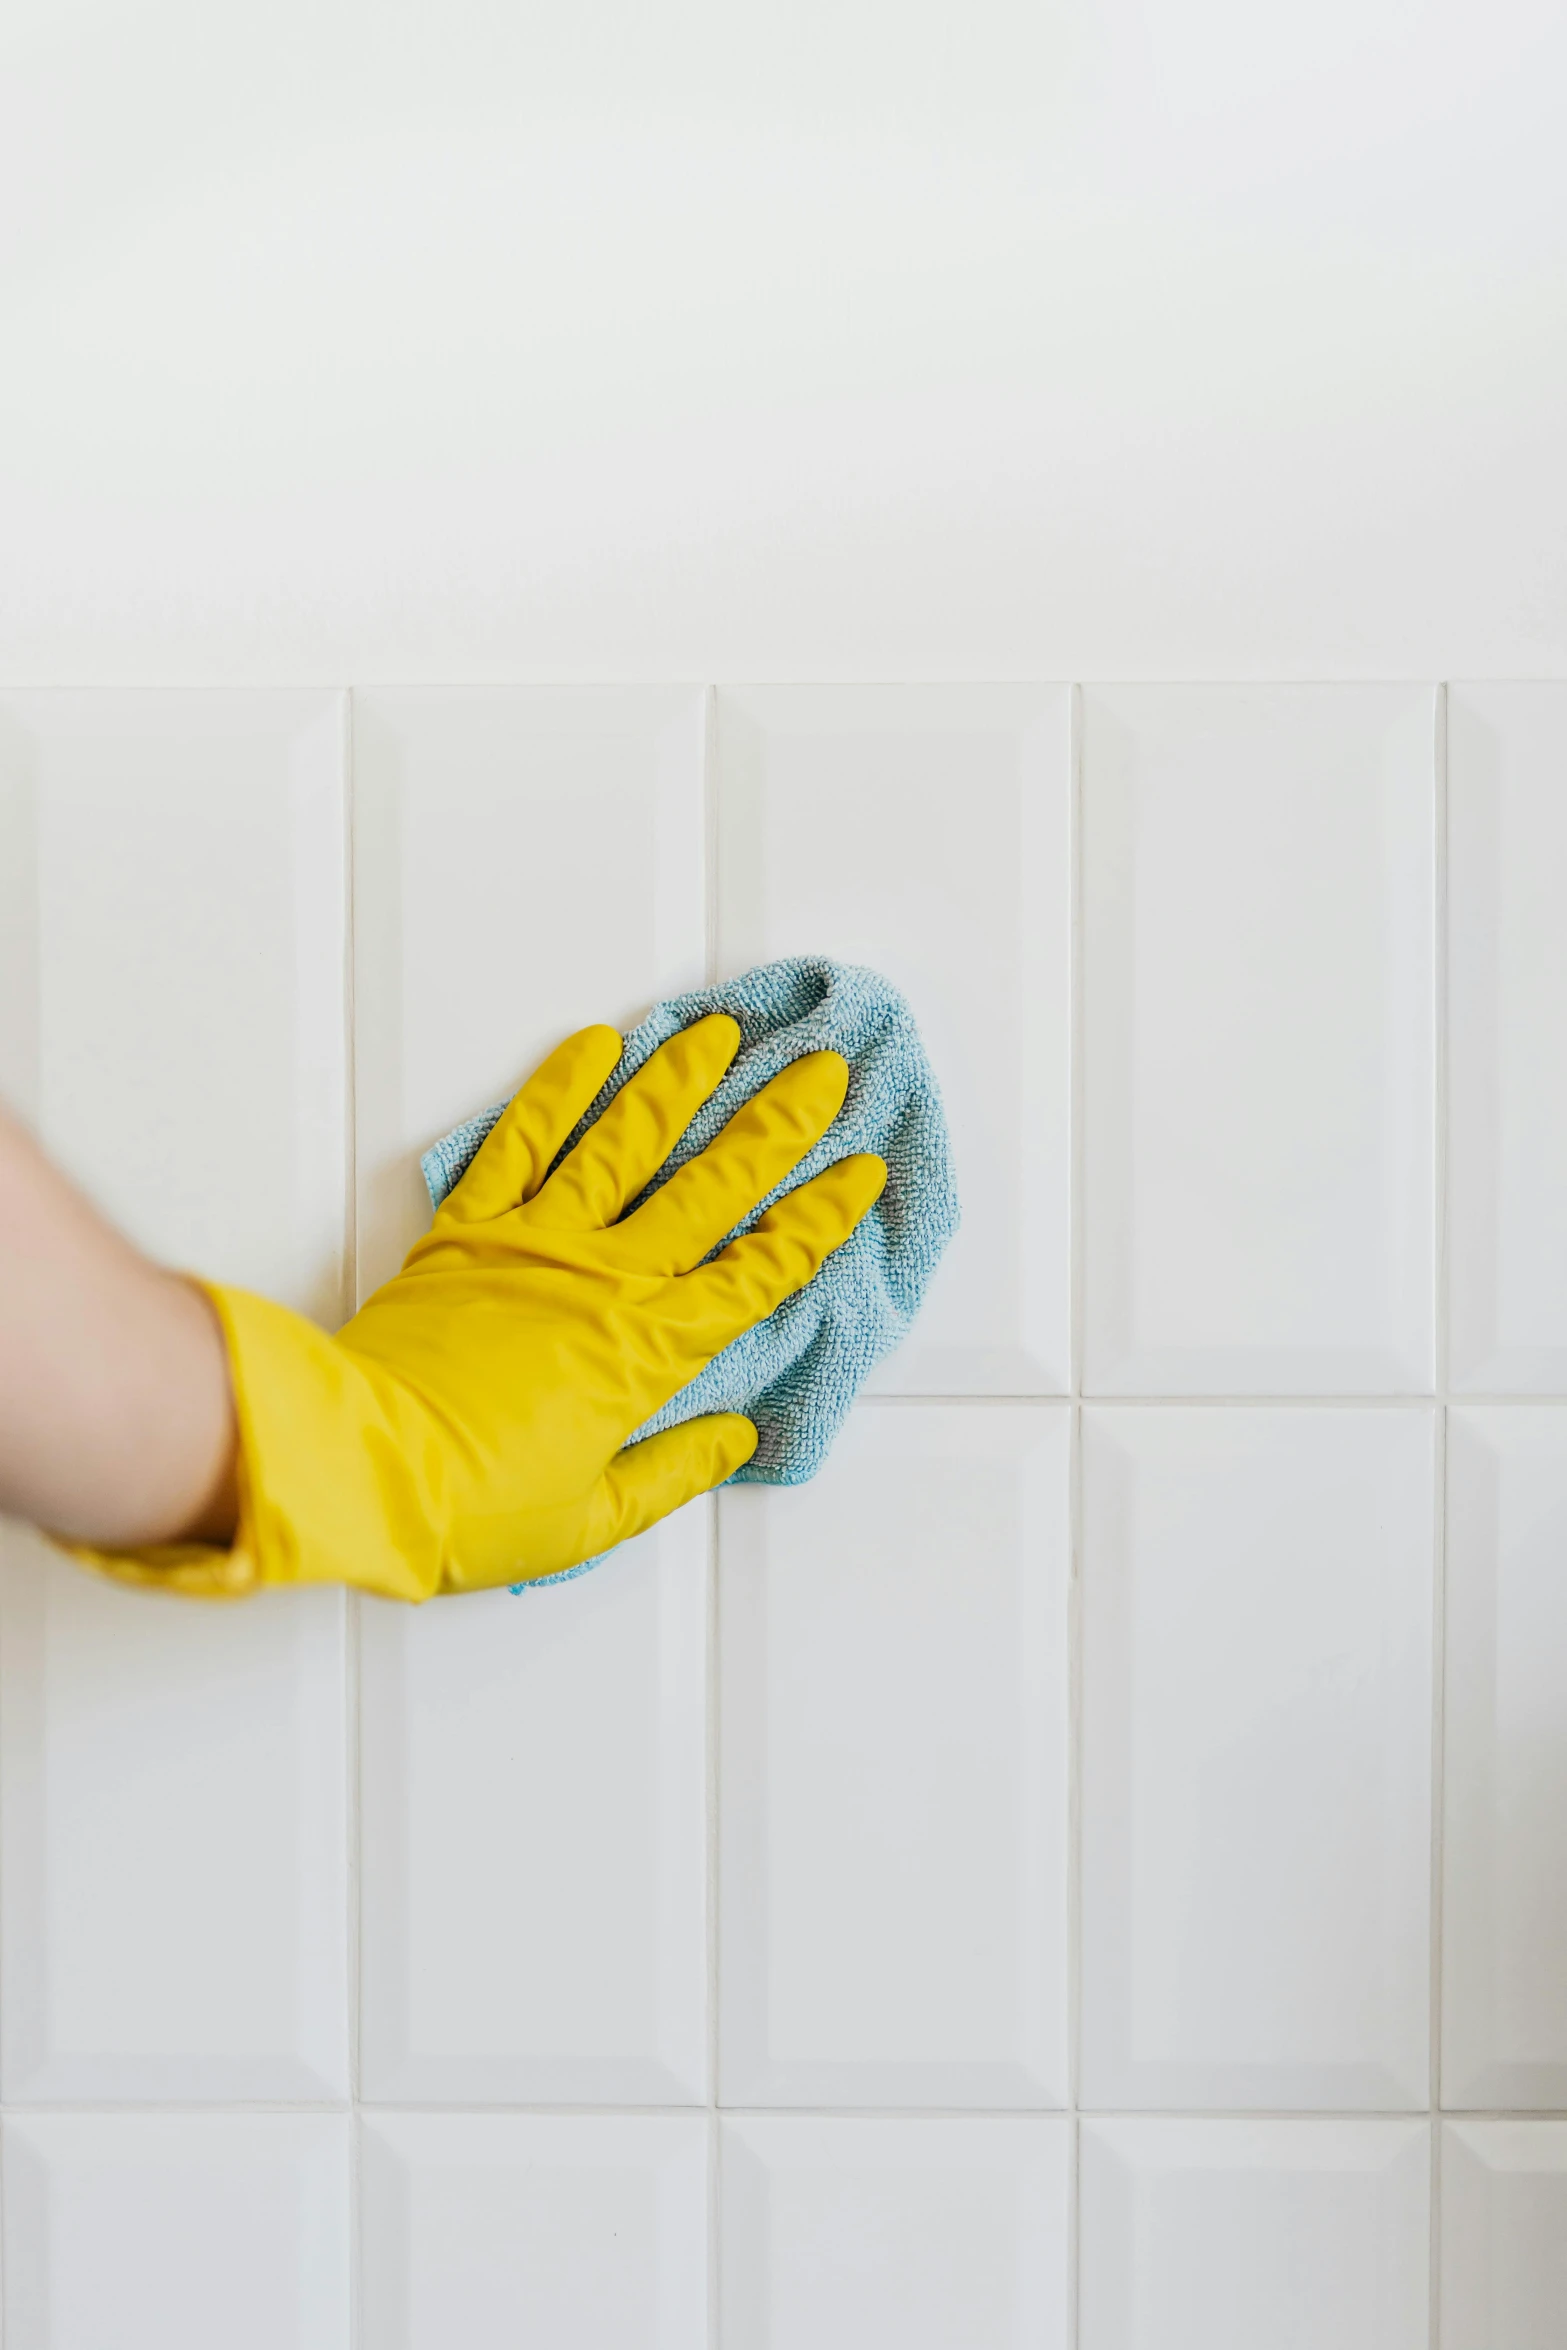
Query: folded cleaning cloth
[796,1374]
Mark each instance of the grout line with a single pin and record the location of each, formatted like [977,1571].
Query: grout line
[1076,1201]
[1077,1061]
[1438,1841]
[713,1693]
[1440,1043]
[1440,1289]
[1060,1397]
[355,1937]
[353,1919]
[714,1731]
[339,2109]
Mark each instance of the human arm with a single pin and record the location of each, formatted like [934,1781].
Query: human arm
[116,1419]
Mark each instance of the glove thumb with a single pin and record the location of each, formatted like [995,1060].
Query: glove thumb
[648,1480]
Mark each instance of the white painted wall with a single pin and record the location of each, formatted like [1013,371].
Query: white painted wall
[382,340]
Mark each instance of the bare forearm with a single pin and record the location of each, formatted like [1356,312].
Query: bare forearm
[116,1422]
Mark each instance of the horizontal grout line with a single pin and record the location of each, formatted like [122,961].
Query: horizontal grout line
[802,2113]
[1455,1399]
[551,681]
[195,2107]
[1424,1398]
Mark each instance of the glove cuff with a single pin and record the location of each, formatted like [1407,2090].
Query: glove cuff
[339,1480]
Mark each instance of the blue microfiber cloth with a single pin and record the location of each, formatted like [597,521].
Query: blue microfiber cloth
[796,1374]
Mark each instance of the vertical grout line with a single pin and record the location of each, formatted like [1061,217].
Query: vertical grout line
[712,1691]
[5,2237]
[355,2228]
[1440,1028]
[351,1625]
[1438,1739]
[1439,1563]
[1074,1886]
[711,1797]
[1075,1030]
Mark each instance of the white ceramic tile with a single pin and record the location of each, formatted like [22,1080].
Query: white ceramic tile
[893,1805]
[926,830]
[174,1906]
[526,861]
[1504,1976]
[160,2232]
[1255,2235]
[1258,992]
[172,983]
[535,1840]
[571,2231]
[172,1833]
[1257,1747]
[1504,2235]
[1507,992]
[931,2235]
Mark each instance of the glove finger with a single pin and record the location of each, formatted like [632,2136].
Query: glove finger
[514,1157]
[707,1198]
[648,1480]
[714,1304]
[625,1148]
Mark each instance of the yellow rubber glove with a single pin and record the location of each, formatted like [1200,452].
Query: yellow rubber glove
[465,1428]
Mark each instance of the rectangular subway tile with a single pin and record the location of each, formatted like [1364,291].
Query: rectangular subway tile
[173,1793]
[1259,1039]
[1257,1701]
[894,1788]
[934,2235]
[1507,990]
[1249,2235]
[173,1906]
[1504,1974]
[527,860]
[172,995]
[574,2231]
[1504,2235]
[177,2232]
[535,1844]
[926,831]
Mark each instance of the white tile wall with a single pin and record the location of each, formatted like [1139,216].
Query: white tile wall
[1228,2235]
[1256,1756]
[1258,1067]
[1505,1938]
[935,2235]
[535,1832]
[1507,833]
[926,830]
[176,2232]
[173,1897]
[173,1907]
[498,2230]
[1504,2235]
[1007,1870]
[893,1790]
[525,862]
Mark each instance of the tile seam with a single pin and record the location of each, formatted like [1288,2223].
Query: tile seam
[1076,1213]
[1441,1037]
[354,1919]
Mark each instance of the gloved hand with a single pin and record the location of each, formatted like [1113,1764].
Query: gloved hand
[465,1428]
